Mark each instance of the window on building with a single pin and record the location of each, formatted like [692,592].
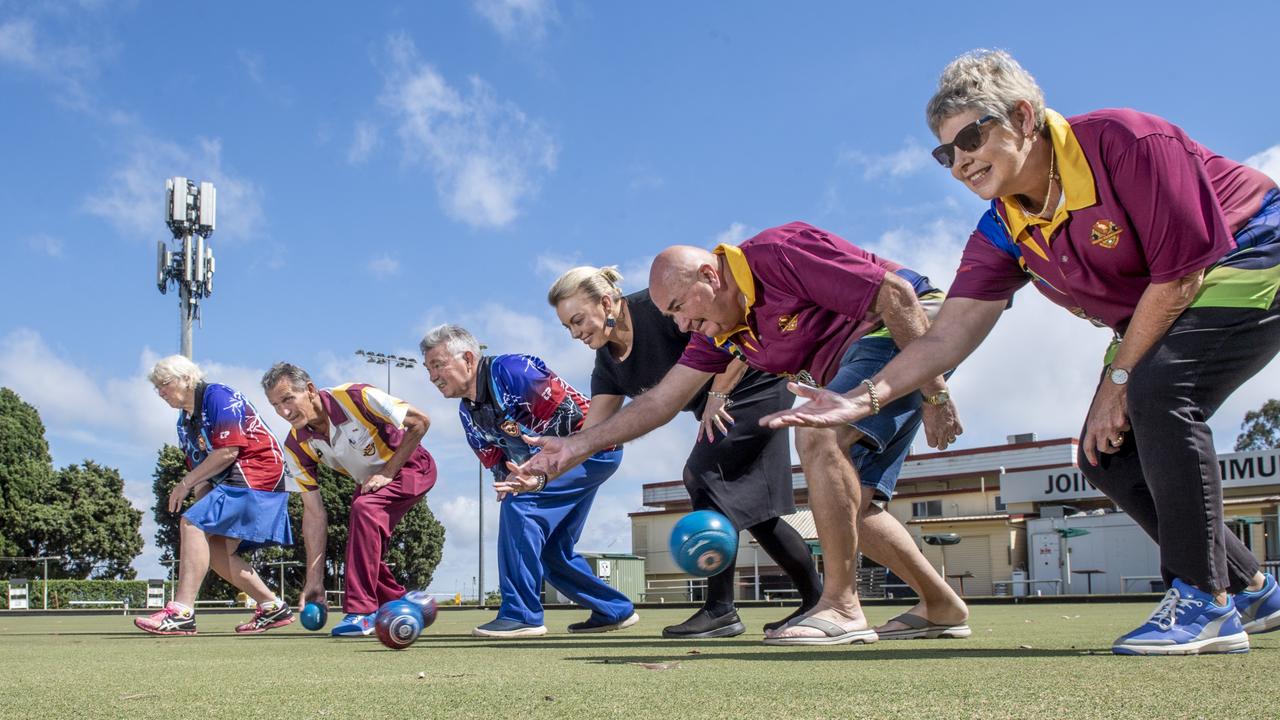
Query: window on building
[1000,506]
[926,509]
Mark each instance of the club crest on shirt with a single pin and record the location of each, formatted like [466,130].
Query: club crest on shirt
[510,427]
[1105,234]
[368,450]
[787,323]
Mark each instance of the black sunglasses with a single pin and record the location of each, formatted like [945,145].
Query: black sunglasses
[969,138]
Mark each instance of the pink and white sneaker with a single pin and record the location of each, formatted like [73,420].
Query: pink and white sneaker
[169,621]
[264,619]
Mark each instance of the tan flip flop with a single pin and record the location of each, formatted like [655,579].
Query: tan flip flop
[920,628]
[832,634]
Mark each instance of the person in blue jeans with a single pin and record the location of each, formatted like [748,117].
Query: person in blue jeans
[503,399]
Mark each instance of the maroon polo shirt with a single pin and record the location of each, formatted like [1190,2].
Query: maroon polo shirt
[1143,203]
[809,295]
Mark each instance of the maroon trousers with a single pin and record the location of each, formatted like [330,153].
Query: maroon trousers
[368,581]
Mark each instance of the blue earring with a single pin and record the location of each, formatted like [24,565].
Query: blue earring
[610,322]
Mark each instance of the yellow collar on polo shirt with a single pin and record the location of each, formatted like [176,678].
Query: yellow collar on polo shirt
[745,281]
[1077,185]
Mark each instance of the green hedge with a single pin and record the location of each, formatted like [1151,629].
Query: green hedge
[62,592]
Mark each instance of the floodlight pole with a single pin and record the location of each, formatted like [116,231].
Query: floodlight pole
[389,360]
[480,507]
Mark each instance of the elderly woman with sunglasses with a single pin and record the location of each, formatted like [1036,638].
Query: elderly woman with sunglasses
[1125,221]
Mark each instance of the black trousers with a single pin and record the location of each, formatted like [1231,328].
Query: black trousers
[1166,475]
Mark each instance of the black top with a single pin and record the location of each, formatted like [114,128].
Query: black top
[656,345]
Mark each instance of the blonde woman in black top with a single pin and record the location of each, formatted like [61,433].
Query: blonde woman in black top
[736,467]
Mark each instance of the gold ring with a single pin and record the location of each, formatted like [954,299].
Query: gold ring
[1116,441]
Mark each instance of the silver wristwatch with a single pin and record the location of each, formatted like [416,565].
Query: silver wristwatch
[1119,376]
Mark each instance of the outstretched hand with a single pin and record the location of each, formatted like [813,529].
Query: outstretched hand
[556,456]
[823,409]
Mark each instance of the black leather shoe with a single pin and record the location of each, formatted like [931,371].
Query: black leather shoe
[705,625]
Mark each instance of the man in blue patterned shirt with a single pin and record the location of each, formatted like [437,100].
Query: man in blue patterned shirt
[505,398]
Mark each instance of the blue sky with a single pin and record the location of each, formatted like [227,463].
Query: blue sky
[385,169]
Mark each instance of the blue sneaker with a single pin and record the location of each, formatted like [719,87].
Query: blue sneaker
[1260,610]
[1186,622]
[501,628]
[354,625]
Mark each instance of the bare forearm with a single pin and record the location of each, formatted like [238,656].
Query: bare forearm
[1159,306]
[217,461]
[416,424]
[315,528]
[726,381]
[906,320]
[960,327]
[602,408]
[646,412]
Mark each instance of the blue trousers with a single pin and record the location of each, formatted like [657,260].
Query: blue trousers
[536,535]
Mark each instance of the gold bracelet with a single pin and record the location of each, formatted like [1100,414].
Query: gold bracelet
[871,393]
[542,482]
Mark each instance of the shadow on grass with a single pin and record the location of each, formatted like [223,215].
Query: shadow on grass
[851,654]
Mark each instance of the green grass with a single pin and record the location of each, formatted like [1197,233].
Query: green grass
[1023,661]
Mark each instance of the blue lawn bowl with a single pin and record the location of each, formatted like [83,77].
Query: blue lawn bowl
[704,543]
[398,623]
[314,616]
[426,605]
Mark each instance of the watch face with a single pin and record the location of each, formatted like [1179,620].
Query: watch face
[1119,376]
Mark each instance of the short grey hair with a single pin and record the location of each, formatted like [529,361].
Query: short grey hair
[457,338]
[592,282]
[176,367]
[989,81]
[297,377]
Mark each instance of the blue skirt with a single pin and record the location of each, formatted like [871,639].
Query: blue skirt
[257,518]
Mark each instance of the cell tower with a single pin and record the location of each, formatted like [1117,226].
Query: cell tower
[189,211]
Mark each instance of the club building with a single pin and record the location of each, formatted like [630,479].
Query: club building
[1009,519]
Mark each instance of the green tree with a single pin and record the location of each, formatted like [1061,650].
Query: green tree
[84,515]
[1261,428]
[25,467]
[79,511]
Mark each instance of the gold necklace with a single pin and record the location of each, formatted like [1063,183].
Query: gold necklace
[1049,193]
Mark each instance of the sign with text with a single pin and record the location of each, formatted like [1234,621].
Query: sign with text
[1243,469]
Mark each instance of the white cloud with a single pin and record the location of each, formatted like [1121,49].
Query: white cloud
[70,68]
[252,64]
[554,265]
[384,266]
[1268,161]
[364,143]
[46,244]
[488,158]
[131,201]
[518,20]
[18,44]
[734,234]
[645,179]
[902,162]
